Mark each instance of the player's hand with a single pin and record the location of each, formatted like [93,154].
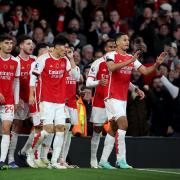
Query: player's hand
[170,130]
[103,81]
[161,57]
[21,104]
[15,107]
[146,87]
[2,99]
[70,54]
[32,100]
[136,55]
[140,93]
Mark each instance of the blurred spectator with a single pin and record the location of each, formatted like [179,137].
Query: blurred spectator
[4,13]
[87,56]
[86,72]
[94,30]
[163,69]
[98,54]
[125,8]
[176,16]
[38,35]
[162,38]
[176,35]
[75,24]
[172,58]
[87,100]
[10,27]
[49,37]
[159,102]
[117,23]
[72,36]
[61,15]
[146,28]
[137,110]
[20,20]
[77,57]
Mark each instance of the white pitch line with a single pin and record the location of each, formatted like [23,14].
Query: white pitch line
[165,172]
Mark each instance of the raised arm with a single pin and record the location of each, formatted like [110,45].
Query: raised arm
[147,70]
[116,66]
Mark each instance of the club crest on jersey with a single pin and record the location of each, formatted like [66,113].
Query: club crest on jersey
[62,64]
[11,67]
[28,66]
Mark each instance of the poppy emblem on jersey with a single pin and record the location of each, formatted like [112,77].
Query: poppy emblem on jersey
[57,65]
[5,66]
[12,67]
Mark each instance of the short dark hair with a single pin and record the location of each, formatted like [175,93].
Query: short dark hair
[106,42]
[165,65]
[23,38]
[60,40]
[4,37]
[38,47]
[119,35]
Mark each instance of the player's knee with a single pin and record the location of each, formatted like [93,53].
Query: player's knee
[49,128]
[97,129]
[6,130]
[122,123]
[59,128]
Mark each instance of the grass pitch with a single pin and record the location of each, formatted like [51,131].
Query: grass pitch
[89,174]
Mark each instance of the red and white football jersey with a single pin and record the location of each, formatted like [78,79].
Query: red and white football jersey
[25,77]
[9,69]
[120,79]
[71,89]
[36,82]
[97,71]
[53,75]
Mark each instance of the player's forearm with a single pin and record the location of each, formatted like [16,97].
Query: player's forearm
[32,91]
[16,90]
[73,64]
[75,73]
[149,70]
[132,87]
[33,80]
[91,82]
[114,67]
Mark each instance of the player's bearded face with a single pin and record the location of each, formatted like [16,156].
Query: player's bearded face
[6,46]
[28,47]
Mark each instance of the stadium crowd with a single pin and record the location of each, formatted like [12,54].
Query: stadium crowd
[91,28]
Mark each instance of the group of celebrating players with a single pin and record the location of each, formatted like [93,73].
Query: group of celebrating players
[43,88]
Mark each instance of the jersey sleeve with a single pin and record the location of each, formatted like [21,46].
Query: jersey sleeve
[68,65]
[33,79]
[18,69]
[110,56]
[137,64]
[94,70]
[39,66]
